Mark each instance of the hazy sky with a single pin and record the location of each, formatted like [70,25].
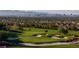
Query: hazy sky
[59,11]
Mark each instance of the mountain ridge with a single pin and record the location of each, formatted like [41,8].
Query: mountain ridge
[31,14]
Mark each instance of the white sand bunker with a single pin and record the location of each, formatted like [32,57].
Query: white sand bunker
[54,37]
[38,35]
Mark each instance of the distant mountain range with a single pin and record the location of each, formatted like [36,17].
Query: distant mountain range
[18,13]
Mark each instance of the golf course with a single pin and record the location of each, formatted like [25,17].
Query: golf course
[53,38]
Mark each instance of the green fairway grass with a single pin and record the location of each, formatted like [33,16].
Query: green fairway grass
[26,35]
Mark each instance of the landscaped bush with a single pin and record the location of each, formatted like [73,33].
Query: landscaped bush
[61,36]
[34,34]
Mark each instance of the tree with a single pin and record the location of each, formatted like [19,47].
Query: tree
[46,31]
[63,30]
[3,36]
[2,25]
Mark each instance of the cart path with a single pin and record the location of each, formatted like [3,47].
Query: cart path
[48,44]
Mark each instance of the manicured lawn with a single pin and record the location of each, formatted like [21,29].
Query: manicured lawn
[27,37]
